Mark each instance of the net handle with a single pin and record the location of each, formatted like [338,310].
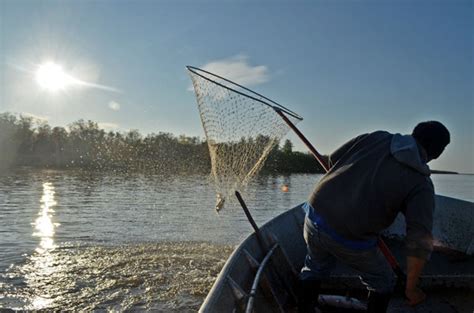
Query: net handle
[308,144]
[276,106]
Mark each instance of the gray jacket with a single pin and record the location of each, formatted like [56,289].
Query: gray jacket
[372,178]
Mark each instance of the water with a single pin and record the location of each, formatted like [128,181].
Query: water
[84,241]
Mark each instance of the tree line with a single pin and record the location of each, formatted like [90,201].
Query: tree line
[25,141]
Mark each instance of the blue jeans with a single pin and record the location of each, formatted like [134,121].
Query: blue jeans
[375,272]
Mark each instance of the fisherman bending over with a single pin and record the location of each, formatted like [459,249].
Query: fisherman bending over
[371,179]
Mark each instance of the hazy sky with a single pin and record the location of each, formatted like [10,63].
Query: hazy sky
[347,67]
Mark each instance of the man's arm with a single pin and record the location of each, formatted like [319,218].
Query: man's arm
[419,240]
[414,267]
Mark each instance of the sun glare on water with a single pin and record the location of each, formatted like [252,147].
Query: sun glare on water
[51,77]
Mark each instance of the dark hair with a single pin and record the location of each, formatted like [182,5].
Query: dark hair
[433,136]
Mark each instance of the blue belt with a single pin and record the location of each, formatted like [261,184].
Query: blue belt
[321,223]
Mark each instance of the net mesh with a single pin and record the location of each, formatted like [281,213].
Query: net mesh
[241,129]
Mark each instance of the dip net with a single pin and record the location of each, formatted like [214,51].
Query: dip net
[241,127]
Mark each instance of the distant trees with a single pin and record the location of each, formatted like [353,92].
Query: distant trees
[26,142]
[287,147]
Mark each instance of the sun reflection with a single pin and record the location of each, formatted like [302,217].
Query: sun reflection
[43,263]
[44,225]
[39,303]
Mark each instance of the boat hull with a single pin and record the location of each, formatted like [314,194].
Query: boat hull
[282,237]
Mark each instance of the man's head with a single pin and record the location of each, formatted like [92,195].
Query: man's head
[433,137]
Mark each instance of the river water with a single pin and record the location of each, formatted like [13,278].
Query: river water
[76,240]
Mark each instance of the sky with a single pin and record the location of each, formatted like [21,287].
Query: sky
[346,66]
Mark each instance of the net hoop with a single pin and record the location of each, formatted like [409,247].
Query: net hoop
[276,106]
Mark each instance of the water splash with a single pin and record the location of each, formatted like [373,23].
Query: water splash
[171,277]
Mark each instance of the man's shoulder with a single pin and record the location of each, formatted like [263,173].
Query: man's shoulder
[418,181]
[380,134]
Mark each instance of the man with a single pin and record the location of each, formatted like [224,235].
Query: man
[371,179]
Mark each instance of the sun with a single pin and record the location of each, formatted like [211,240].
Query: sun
[51,77]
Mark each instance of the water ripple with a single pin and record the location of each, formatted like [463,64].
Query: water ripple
[173,277]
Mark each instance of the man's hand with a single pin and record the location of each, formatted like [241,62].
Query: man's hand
[415,296]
